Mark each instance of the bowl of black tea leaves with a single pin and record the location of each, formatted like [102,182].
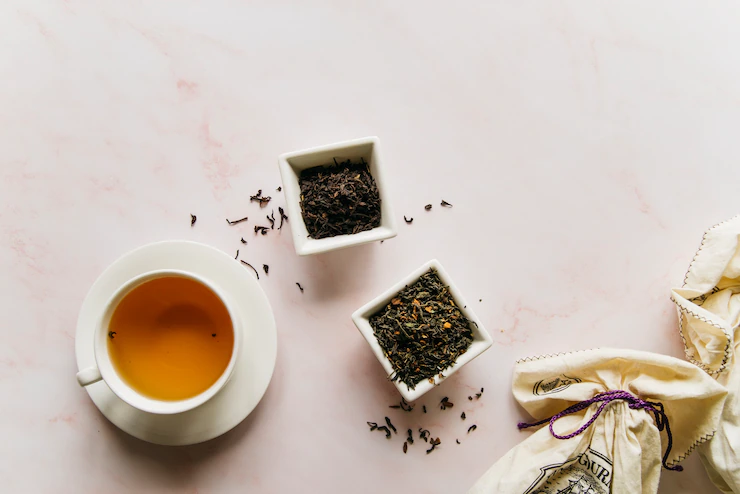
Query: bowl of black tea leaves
[421,330]
[335,196]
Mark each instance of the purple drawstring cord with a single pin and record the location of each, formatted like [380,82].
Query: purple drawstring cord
[635,403]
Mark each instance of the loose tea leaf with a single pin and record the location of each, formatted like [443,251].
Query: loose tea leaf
[237,254]
[266,268]
[262,200]
[424,407]
[446,204]
[339,199]
[110,334]
[405,406]
[457,441]
[255,271]
[410,439]
[472,428]
[408,220]
[279,189]
[373,425]
[445,404]
[462,416]
[405,447]
[261,229]
[271,219]
[213,335]
[193,218]
[388,421]
[283,216]
[387,431]
[299,286]
[236,221]
[424,434]
[421,331]
[243,241]
[434,442]
[428,207]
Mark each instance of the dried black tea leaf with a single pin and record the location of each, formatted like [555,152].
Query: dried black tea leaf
[266,268]
[193,218]
[446,204]
[237,254]
[111,333]
[246,263]
[445,404]
[299,286]
[283,217]
[236,221]
[243,241]
[388,421]
[262,200]
[434,442]
[428,207]
[386,430]
[261,229]
[472,428]
[407,220]
[372,425]
[462,416]
[405,447]
[339,199]
[271,219]
[421,331]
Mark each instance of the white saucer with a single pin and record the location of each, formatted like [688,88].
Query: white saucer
[253,370]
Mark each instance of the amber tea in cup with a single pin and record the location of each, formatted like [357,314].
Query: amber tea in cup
[170,338]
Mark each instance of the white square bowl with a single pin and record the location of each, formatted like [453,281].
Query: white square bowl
[291,166]
[481,339]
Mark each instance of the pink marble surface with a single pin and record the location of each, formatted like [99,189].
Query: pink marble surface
[585,146]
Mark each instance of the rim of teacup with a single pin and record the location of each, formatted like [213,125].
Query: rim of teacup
[125,392]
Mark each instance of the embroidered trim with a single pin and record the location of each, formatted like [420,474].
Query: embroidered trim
[551,355]
[701,247]
[695,445]
[727,350]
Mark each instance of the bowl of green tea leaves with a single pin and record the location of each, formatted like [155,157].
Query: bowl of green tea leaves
[421,330]
[336,196]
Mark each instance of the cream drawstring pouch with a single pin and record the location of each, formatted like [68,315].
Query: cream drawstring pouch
[614,419]
[708,316]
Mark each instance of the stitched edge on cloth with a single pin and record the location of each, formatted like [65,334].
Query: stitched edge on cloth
[551,355]
[727,350]
[696,444]
[701,247]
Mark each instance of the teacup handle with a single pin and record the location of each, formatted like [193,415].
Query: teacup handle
[89,376]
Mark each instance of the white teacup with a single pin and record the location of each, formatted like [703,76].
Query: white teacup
[104,370]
